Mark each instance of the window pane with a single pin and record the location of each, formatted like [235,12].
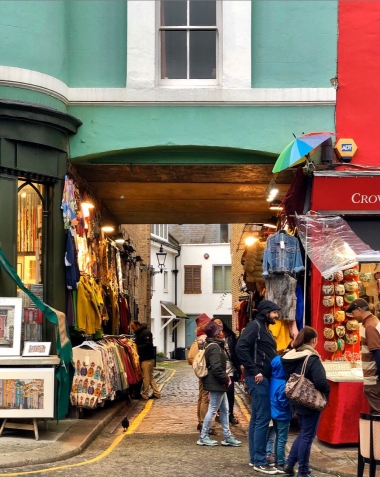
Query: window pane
[202,13]
[227,278]
[174,12]
[173,55]
[202,54]
[218,275]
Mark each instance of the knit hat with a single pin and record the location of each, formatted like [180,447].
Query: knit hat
[212,329]
[202,319]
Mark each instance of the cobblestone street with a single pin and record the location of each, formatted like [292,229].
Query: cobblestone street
[161,439]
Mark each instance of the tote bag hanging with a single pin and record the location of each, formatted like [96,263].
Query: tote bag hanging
[302,391]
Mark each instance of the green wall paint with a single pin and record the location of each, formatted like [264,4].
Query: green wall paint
[97,43]
[266,129]
[28,96]
[294,44]
[33,36]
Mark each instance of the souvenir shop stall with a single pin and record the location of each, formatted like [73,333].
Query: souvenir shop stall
[344,266]
[105,358]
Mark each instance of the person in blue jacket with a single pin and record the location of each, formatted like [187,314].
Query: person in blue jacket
[280,411]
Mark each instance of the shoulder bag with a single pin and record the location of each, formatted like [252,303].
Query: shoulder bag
[301,390]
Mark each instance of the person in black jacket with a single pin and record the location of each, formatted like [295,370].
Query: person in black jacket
[216,382]
[233,366]
[145,348]
[308,419]
[255,350]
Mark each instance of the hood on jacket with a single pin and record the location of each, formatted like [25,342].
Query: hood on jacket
[143,327]
[277,368]
[266,306]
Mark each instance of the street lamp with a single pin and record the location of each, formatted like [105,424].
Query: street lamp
[161,257]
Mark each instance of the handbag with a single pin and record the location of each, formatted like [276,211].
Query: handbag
[301,390]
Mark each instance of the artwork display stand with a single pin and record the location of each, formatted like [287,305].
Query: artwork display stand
[22,425]
[25,366]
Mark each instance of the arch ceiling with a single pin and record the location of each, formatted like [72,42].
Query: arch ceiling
[184,185]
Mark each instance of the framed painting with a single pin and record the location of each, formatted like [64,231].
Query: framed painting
[26,392]
[10,326]
[36,348]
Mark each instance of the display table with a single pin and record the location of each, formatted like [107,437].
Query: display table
[339,422]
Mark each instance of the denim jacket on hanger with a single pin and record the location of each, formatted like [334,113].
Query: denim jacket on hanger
[286,259]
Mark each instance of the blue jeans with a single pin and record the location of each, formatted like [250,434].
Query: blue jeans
[282,431]
[218,400]
[260,417]
[300,451]
[271,439]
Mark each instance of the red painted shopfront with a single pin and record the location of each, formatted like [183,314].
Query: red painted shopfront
[356,196]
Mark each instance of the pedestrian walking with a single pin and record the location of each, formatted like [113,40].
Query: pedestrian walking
[203,397]
[145,348]
[370,350]
[233,366]
[216,382]
[308,419]
[255,350]
[280,411]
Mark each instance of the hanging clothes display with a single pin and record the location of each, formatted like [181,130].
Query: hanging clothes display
[102,369]
[282,261]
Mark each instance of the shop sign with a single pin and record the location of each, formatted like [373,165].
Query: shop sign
[345,194]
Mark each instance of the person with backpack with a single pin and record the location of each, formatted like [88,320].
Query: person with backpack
[255,350]
[199,344]
[216,383]
[233,366]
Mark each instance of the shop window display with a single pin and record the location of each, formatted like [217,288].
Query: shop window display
[29,255]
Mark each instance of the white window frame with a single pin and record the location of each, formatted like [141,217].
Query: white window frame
[160,231]
[223,278]
[219,50]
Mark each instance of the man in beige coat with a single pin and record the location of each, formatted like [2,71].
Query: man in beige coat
[199,343]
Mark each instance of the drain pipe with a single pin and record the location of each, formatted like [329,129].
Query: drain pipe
[175,271]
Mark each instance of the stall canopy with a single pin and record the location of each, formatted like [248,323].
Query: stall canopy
[331,244]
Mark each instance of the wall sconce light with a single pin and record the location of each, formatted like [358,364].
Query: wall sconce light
[118,238]
[161,257]
[108,228]
[86,202]
[206,256]
[271,223]
[272,191]
[276,205]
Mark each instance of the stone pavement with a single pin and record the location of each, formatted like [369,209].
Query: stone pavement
[174,414]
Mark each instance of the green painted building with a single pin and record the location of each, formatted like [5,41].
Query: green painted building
[117,82]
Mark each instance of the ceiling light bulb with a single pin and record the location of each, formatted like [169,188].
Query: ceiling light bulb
[250,241]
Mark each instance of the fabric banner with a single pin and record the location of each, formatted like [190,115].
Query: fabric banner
[63,344]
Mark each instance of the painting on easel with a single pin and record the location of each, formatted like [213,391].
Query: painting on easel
[26,392]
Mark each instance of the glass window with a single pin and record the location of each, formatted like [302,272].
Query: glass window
[30,256]
[160,230]
[188,41]
[222,278]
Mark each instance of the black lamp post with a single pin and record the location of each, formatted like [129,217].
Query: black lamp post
[161,257]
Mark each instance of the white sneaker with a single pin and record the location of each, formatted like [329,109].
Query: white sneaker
[265,469]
